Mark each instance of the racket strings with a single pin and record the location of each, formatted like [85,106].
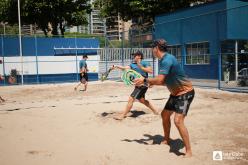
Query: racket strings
[129,75]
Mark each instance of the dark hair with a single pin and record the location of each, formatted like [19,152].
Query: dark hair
[138,53]
[85,56]
[161,43]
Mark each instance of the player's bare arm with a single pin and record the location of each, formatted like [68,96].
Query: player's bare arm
[121,67]
[145,69]
[158,80]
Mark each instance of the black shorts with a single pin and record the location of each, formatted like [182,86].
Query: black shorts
[85,76]
[180,104]
[139,92]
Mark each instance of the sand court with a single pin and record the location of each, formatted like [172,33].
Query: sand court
[53,124]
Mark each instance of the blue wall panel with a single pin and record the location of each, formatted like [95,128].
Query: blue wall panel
[45,46]
[170,32]
[213,22]
[28,46]
[195,29]
[198,24]
[237,18]
[9,46]
[193,11]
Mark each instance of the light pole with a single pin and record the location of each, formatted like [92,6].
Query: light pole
[20,39]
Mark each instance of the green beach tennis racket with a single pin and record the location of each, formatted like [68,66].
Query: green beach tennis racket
[129,75]
[104,76]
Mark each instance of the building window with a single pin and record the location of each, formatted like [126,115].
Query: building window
[197,53]
[176,50]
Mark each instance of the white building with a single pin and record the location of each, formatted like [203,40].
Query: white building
[96,25]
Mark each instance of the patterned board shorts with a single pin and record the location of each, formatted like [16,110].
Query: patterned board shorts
[180,104]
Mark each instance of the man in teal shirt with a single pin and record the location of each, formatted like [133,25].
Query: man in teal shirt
[83,73]
[181,92]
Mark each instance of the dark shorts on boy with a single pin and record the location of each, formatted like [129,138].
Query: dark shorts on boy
[139,92]
[84,76]
[180,104]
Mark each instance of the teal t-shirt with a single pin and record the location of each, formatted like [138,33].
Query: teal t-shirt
[175,80]
[82,63]
[135,67]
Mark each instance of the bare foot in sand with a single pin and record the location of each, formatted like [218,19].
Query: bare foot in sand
[120,117]
[156,113]
[165,142]
[188,155]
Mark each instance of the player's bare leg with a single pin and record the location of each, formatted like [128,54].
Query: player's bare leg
[179,122]
[75,88]
[85,86]
[166,125]
[1,99]
[128,108]
[149,105]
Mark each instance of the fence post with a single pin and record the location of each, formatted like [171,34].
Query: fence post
[153,66]
[20,40]
[36,58]
[236,60]
[106,60]
[220,70]
[122,47]
[76,58]
[183,55]
[105,46]
[4,74]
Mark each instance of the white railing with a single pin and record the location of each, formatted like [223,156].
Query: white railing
[122,56]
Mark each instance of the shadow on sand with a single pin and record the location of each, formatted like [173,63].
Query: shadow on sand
[175,145]
[105,114]
[134,114]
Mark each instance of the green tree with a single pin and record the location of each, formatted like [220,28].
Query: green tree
[3,10]
[58,13]
[246,46]
[142,11]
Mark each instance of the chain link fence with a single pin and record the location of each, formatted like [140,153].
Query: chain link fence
[230,68]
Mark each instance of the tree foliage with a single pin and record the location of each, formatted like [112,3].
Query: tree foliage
[3,10]
[141,11]
[58,13]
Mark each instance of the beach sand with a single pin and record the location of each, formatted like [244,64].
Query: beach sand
[53,124]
